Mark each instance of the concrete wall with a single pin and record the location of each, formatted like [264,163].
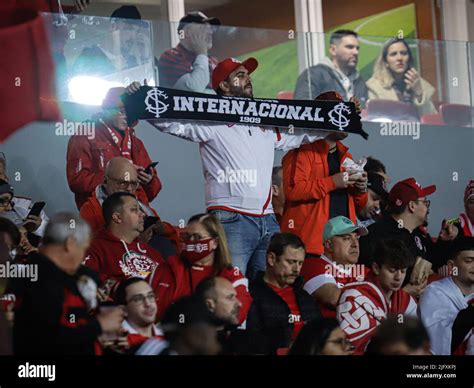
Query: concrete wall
[38,155]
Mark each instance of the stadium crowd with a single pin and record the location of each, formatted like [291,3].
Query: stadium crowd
[315,257]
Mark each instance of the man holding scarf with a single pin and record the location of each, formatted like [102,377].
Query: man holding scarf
[237,163]
[87,158]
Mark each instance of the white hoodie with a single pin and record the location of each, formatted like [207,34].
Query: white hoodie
[438,308]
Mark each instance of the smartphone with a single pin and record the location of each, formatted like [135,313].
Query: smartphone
[150,166]
[149,221]
[36,209]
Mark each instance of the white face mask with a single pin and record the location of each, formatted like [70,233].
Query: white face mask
[12,253]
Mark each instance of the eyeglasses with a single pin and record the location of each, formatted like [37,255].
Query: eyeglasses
[427,202]
[343,342]
[5,202]
[123,184]
[140,299]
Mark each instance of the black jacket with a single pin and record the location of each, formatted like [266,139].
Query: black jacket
[268,321]
[320,78]
[418,243]
[51,316]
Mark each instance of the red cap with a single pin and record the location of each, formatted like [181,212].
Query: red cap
[408,190]
[113,98]
[227,66]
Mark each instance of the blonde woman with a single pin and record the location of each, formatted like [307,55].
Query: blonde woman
[395,78]
[205,253]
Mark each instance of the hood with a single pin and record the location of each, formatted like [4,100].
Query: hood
[100,193]
[108,238]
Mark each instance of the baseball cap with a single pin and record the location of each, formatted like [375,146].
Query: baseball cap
[376,183]
[469,192]
[197,17]
[340,225]
[408,190]
[227,66]
[113,98]
[5,188]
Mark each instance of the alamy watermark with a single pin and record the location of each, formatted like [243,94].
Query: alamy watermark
[400,128]
[356,271]
[11,270]
[30,371]
[75,128]
[237,176]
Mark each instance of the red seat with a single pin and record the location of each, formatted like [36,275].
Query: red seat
[432,118]
[285,95]
[457,114]
[379,110]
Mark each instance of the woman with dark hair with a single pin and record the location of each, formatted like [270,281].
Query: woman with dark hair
[205,253]
[321,337]
[395,78]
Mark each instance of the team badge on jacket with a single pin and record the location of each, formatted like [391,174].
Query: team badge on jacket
[136,264]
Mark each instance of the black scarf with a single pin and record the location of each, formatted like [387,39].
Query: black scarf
[150,103]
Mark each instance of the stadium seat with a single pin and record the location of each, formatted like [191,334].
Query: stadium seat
[432,119]
[285,95]
[381,110]
[457,114]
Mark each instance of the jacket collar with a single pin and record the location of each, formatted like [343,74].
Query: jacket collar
[322,147]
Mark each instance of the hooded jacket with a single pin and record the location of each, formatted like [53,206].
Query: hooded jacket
[87,158]
[115,259]
[307,185]
[324,77]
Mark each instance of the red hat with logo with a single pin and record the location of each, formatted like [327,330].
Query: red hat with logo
[227,66]
[113,98]
[408,190]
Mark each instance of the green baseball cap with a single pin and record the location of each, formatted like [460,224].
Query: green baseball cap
[340,225]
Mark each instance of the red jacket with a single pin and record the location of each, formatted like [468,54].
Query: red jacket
[307,185]
[183,279]
[114,259]
[86,161]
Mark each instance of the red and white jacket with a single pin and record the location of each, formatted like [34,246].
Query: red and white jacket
[134,338]
[237,161]
[86,160]
[362,307]
[320,271]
